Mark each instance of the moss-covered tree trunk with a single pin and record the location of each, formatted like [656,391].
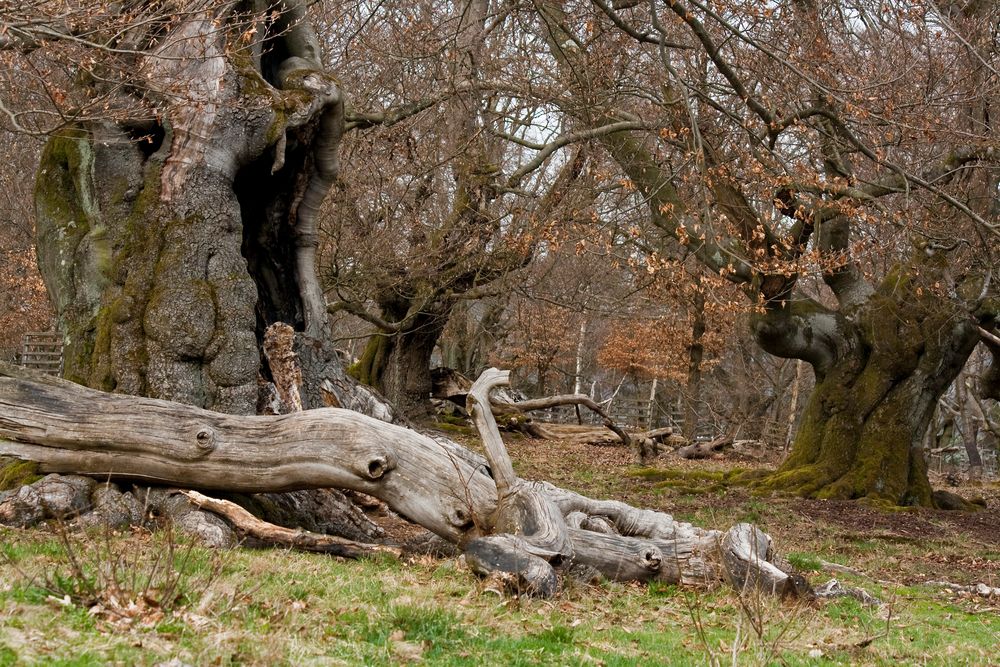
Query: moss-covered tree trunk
[399,365]
[879,375]
[169,241]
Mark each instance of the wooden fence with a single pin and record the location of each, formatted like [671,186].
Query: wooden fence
[42,351]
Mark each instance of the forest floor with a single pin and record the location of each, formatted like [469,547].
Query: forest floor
[76,599]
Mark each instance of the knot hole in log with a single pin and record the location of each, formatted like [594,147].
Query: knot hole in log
[378,467]
[653,558]
[205,439]
[462,518]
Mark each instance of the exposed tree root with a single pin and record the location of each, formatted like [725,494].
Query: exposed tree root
[304,540]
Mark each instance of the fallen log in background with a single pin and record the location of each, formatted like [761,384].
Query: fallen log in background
[531,405]
[452,386]
[67,428]
[705,450]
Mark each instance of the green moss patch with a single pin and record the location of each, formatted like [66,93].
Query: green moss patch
[15,473]
[690,481]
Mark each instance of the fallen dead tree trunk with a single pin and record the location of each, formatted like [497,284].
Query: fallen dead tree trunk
[705,450]
[67,428]
[647,444]
[531,405]
[587,434]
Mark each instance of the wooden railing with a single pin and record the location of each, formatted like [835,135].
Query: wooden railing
[43,351]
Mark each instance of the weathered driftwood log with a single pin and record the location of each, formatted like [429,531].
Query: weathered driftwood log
[543,514]
[67,428]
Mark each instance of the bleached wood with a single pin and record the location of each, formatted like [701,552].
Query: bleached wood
[746,553]
[67,428]
[521,510]
[704,450]
[509,558]
[71,429]
[478,406]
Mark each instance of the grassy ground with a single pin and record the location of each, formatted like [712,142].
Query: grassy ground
[273,607]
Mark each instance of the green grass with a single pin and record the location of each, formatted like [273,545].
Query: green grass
[273,607]
[277,607]
[804,562]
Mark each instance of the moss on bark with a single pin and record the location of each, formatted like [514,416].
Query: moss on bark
[368,369]
[862,428]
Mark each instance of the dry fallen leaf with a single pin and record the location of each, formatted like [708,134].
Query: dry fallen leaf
[404,650]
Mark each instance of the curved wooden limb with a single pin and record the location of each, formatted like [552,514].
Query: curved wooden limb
[478,405]
[626,519]
[289,537]
[622,558]
[521,510]
[71,429]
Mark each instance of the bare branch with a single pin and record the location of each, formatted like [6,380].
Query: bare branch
[358,310]
[565,140]
[643,37]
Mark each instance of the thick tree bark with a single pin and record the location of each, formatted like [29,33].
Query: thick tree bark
[171,241]
[969,425]
[399,365]
[68,428]
[696,354]
[878,379]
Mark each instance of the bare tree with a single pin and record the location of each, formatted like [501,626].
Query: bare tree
[424,220]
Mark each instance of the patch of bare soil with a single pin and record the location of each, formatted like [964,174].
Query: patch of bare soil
[982,527]
[979,529]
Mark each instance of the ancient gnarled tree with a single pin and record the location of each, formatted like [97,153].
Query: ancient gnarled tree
[173,231]
[756,152]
